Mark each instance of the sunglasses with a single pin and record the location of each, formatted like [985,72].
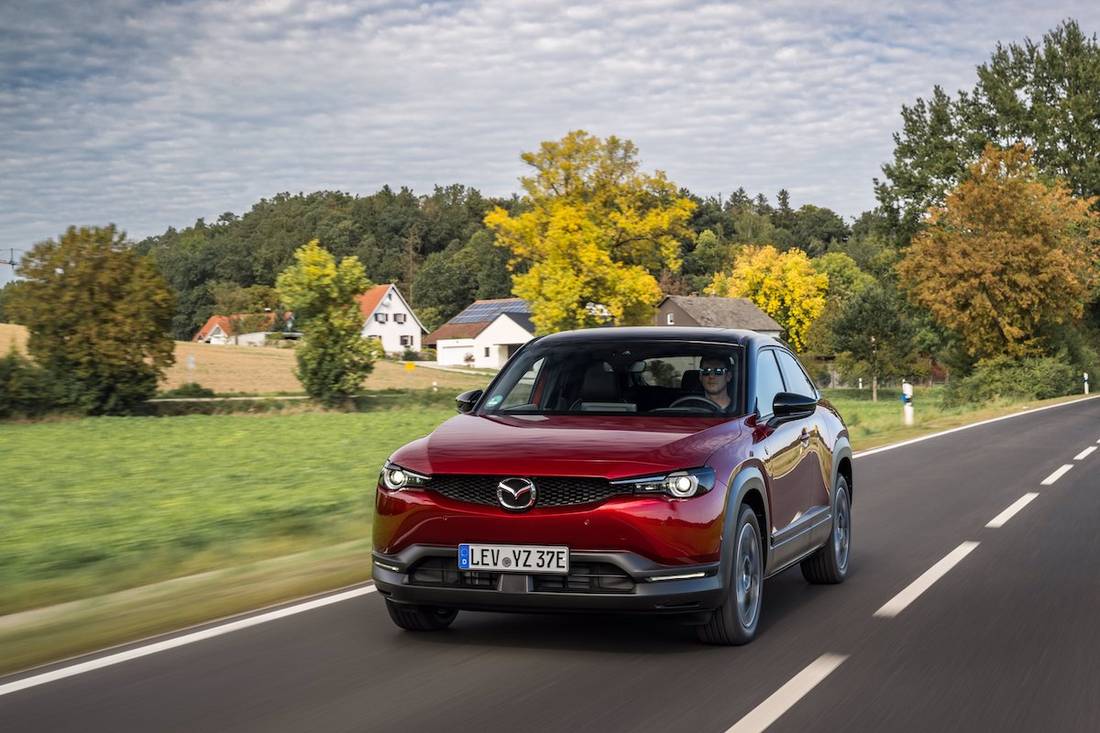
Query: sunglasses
[708,371]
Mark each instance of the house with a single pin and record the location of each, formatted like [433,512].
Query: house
[484,335]
[692,310]
[388,318]
[222,330]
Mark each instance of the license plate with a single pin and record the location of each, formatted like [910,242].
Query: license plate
[514,558]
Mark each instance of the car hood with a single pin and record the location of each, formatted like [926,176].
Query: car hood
[567,445]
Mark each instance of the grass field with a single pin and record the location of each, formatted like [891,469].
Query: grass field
[95,505]
[255,370]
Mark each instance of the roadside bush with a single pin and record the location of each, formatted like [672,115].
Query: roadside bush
[25,389]
[189,389]
[424,355]
[1022,379]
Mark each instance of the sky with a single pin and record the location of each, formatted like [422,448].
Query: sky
[150,115]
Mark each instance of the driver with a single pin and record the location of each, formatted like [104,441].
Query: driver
[715,374]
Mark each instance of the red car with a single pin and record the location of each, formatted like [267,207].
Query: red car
[657,470]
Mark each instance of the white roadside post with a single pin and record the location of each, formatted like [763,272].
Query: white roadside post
[1086,382]
[907,402]
[861,383]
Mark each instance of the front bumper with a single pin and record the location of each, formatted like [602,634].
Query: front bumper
[646,587]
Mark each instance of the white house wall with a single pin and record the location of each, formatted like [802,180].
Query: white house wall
[391,331]
[491,345]
[452,352]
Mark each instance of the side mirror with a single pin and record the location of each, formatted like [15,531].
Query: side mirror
[790,406]
[467,400]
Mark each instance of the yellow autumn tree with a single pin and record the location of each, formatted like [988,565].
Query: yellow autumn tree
[1006,258]
[784,285]
[592,233]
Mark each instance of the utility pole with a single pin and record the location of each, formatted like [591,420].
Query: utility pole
[11,258]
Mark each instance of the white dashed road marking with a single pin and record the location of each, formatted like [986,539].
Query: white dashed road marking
[786,696]
[897,604]
[1059,473]
[1085,453]
[161,646]
[1007,514]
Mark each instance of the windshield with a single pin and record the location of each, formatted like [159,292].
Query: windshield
[630,378]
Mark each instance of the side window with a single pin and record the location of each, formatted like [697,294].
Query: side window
[522,393]
[796,378]
[768,381]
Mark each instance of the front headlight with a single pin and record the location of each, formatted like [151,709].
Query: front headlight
[678,484]
[396,478]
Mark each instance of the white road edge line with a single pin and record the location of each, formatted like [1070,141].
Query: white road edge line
[897,604]
[1001,519]
[1058,473]
[178,641]
[911,441]
[786,696]
[1085,453]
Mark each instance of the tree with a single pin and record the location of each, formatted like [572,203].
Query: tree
[596,230]
[846,282]
[815,227]
[230,298]
[450,280]
[6,294]
[1045,95]
[335,358]
[99,316]
[1007,258]
[784,285]
[873,336]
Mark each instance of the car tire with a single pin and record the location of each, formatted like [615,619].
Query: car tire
[829,565]
[735,622]
[420,618]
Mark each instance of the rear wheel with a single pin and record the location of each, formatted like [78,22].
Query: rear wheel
[420,618]
[829,565]
[735,621]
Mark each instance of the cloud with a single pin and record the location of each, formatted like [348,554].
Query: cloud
[152,114]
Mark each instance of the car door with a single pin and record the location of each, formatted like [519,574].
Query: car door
[781,446]
[815,478]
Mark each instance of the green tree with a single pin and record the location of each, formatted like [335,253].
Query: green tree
[1045,95]
[450,280]
[846,282]
[99,317]
[815,227]
[335,358]
[1008,258]
[595,231]
[232,299]
[873,336]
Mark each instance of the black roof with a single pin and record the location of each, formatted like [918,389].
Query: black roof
[660,333]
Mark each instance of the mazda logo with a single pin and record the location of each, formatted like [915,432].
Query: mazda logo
[516,494]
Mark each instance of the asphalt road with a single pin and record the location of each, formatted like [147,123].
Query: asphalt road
[1007,638]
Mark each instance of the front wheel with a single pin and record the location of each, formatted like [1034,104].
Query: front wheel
[735,621]
[829,565]
[420,618]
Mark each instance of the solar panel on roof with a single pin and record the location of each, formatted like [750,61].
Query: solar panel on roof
[481,312]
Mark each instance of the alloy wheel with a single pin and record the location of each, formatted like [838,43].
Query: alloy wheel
[748,576]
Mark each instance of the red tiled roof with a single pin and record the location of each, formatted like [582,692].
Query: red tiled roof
[455,331]
[226,323]
[369,300]
[211,322]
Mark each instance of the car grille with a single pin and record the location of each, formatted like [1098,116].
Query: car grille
[549,490]
[594,577]
[443,571]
